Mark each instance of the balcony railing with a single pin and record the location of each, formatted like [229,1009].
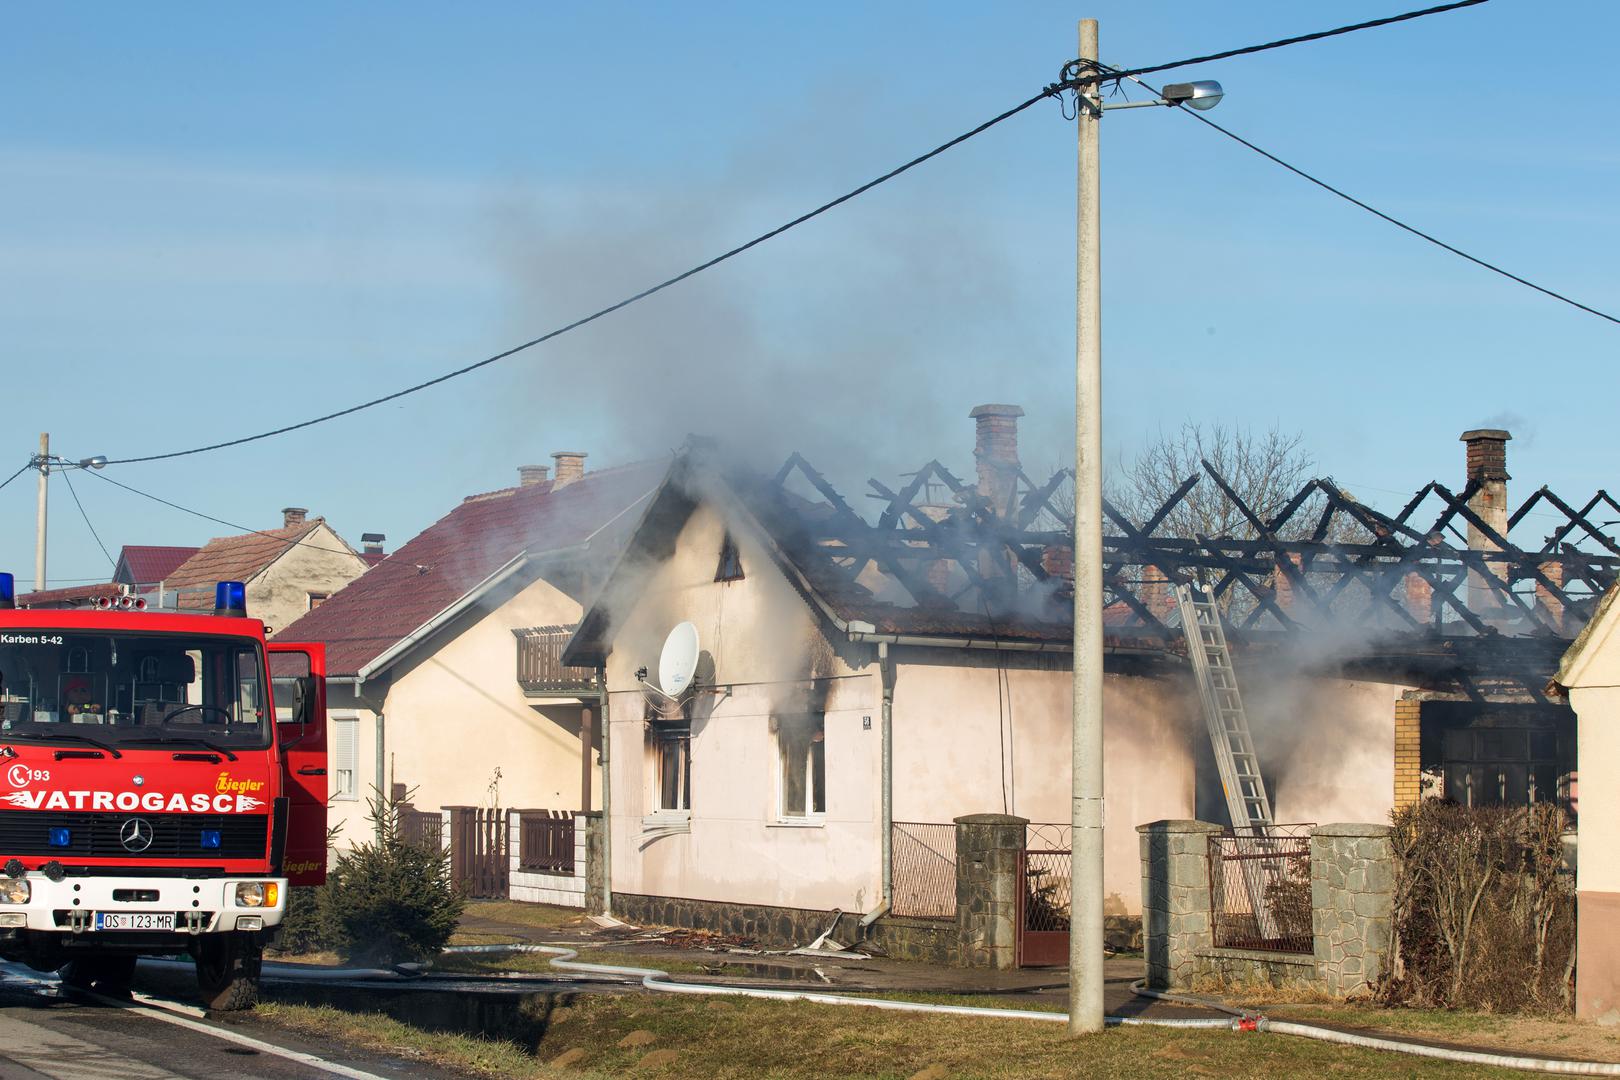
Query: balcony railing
[540,669]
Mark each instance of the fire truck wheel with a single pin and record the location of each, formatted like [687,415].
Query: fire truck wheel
[228,972]
[108,974]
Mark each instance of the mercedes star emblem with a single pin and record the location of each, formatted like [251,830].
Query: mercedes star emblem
[136,834]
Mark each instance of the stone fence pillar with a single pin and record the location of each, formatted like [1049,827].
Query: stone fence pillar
[988,847]
[1176,921]
[594,868]
[1352,901]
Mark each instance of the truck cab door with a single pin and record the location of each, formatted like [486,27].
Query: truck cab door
[298,691]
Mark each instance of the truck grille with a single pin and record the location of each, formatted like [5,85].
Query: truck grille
[97,836]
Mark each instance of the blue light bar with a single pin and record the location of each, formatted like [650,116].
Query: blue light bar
[8,590]
[61,837]
[210,838]
[230,598]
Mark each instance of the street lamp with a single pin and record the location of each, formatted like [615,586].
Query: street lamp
[1086,866]
[44,462]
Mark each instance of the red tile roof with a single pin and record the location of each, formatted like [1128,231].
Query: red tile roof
[448,559]
[69,597]
[147,565]
[235,558]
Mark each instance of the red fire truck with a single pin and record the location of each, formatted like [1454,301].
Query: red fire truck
[162,783]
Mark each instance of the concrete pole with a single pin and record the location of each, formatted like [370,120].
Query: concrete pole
[44,462]
[1086,885]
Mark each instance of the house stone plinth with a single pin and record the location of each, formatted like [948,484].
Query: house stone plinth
[1176,922]
[988,847]
[595,859]
[1352,903]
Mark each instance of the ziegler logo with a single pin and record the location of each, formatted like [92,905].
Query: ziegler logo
[229,785]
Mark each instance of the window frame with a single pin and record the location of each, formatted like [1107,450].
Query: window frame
[811,816]
[338,794]
[730,567]
[665,739]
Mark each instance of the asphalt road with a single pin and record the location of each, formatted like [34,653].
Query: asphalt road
[43,1034]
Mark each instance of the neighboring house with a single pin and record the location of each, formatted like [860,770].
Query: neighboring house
[442,661]
[1590,674]
[288,571]
[944,628]
[144,567]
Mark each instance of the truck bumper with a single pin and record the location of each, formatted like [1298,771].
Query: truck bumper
[199,906]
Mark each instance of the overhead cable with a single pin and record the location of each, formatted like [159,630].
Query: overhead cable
[1399,224]
[220,521]
[1073,77]
[28,465]
[69,482]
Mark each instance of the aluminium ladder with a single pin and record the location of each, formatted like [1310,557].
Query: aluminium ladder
[1246,798]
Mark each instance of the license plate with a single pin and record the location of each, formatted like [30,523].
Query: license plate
[134,920]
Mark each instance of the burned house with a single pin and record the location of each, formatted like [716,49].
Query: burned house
[862,682]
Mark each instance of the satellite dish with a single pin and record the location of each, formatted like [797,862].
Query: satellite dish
[678,662]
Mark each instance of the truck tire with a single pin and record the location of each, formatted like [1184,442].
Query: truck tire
[106,974]
[228,972]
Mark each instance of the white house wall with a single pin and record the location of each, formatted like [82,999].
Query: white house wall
[765,643]
[953,715]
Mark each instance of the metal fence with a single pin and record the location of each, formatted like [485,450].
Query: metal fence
[546,841]
[924,856]
[1260,888]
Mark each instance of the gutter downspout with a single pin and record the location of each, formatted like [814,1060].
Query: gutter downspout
[886,691]
[381,740]
[607,796]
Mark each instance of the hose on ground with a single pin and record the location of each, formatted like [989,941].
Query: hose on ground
[654,979]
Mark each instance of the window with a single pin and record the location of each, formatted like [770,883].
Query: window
[1504,767]
[345,756]
[801,748]
[730,568]
[316,599]
[672,756]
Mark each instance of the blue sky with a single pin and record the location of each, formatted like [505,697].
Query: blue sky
[224,218]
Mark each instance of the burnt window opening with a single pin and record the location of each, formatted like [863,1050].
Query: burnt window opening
[801,744]
[730,568]
[672,766]
[1502,755]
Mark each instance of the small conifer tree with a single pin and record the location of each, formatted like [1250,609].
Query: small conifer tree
[391,899]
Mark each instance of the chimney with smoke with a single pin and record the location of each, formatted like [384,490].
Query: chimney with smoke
[1488,475]
[570,467]
[530,475]
[372,543]
[995,451]
[293,515]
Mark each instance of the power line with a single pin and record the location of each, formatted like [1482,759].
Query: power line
[1399,224]
[19,472]
[221,521]
[1073,77]
[1283,42]
[66,480]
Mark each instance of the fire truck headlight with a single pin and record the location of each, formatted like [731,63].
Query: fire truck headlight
[15,890]
[256,894]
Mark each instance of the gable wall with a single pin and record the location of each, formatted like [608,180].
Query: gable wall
[280,593]
[764,642]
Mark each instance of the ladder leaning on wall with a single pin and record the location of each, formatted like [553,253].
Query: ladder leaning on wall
[1246,798]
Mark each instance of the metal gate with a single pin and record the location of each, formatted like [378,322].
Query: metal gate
[478,853]
[1043,896]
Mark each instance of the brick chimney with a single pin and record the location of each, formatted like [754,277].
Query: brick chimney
[570,467]
[1487,465]
[995,451]
[530,475]
[372,543]
[1419,598]
[1155,592]
[293,515]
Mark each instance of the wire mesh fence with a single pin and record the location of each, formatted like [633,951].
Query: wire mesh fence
[924,858]
[1260,887]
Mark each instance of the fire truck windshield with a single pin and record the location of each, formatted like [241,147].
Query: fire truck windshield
[132,688]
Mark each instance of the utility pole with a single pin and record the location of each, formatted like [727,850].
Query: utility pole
[44,463]
[1086,867]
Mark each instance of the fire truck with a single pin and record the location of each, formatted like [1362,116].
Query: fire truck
[162,784]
